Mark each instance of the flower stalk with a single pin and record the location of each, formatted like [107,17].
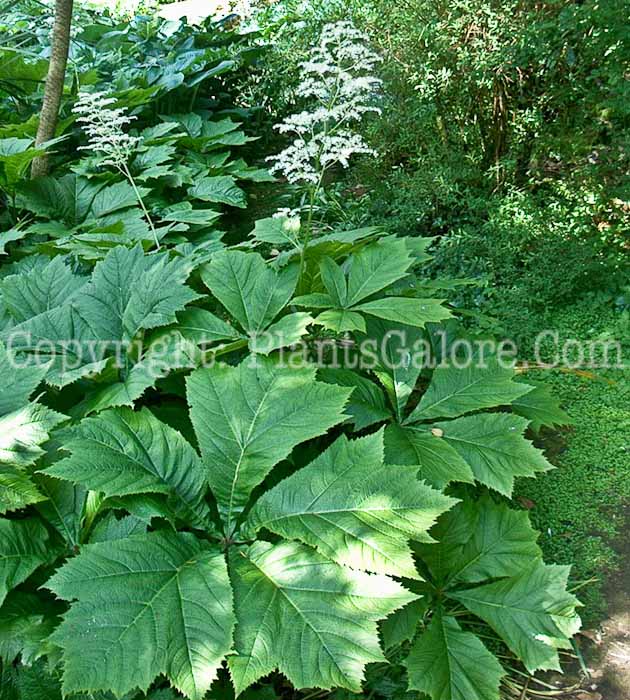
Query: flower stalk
[338,81]
[112,146]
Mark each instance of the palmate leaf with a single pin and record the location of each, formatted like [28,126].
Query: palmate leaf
[454,391]
[131,291]
[251,291]
[437,461]
[367,272]
[480,540]
[532,612]
[313,620]
[23,548]
[492,444]
[123,453]
[448,663]
[75,200]
[248,418]
[354,509]
[146,605]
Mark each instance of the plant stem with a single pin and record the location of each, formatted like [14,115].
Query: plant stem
[129,176]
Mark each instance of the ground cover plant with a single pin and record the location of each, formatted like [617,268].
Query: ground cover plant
[246,464]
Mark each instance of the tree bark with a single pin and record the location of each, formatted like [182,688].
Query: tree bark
[55,79]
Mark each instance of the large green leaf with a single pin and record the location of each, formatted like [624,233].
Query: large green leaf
[367,402]
[409,311]
[480,540]
[540,407]
[122,453]
[375,267]
[494,447]
[221,189]
[43,288]
[248,288]
[313,620]
[503,543]
[19,380]
[16,489]
[131,291]
[23,548]
[22,433]
[455,390]
[436,460]
[152,604]
[388,348]
[248,418]
[74,199]
[354,509]
[448,663]
[532,612]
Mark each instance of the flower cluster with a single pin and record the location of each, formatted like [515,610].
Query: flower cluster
[103,126]
[338,79]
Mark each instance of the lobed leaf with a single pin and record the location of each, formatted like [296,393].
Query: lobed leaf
[122,453]
[353,508]
[313,620]
[448,663]
[145,605]
[248,418]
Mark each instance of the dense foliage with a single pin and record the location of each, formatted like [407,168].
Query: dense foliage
[219,455]
[505,137]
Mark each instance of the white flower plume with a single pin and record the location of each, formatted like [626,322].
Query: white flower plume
[103,125]
[338,79]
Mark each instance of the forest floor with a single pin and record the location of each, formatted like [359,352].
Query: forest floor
[606,648]
[582,508]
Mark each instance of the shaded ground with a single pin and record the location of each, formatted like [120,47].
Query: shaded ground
[611,655]
[582,509]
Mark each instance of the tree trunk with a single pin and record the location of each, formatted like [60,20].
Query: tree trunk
[54,81]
